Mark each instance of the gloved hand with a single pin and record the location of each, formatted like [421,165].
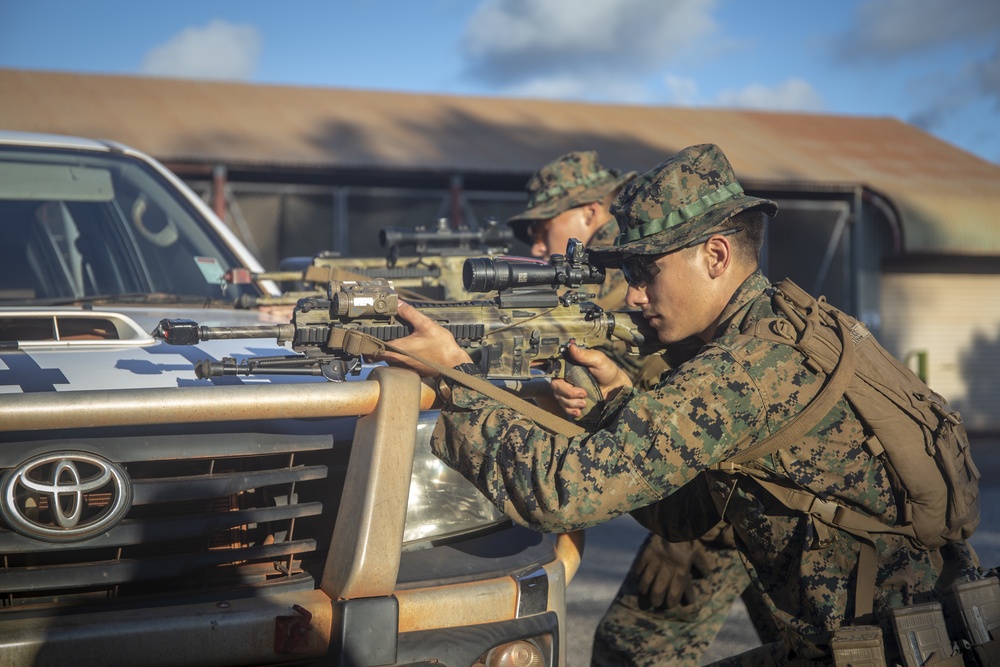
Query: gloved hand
[664,570]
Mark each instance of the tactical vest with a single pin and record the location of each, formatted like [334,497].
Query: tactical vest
[919,440]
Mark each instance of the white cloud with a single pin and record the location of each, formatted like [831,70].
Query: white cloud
[790,95]
[510,42]
[681,91]
[594,88]
[894,28]
[219,50]
[512,26]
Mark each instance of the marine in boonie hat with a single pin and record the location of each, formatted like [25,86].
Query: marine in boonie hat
[675,203]
[571,180]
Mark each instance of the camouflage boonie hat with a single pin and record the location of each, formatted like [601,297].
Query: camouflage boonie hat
[675,202]
[571,180]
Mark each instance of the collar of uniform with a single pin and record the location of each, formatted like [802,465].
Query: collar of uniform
[735,312]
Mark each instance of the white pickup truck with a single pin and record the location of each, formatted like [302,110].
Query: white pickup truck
[151,517]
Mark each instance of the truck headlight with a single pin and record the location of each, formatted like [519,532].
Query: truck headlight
[442,503]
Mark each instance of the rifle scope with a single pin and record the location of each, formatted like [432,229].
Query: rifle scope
[485,274]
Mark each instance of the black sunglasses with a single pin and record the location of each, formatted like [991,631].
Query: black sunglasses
[639,270]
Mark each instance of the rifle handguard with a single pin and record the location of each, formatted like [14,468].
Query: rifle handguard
[354,342]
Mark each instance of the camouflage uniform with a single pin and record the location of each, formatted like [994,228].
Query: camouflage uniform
[735,392]
[633,631]
[570,180]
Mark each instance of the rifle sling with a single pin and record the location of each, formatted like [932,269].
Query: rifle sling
[359,343]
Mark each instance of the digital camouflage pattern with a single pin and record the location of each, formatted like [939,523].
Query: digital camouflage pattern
[570,180]
[677,201]
[736,391]
[633,633]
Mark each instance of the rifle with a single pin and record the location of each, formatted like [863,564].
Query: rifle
[432,272]
[520,333]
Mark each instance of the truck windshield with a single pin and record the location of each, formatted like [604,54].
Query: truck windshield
[80,225]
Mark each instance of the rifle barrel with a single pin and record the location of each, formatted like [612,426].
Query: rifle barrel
[189,332]
[252,331]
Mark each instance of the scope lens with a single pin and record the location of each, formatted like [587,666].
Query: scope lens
[479,275]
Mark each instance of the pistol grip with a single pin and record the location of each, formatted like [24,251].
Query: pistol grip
[579,376]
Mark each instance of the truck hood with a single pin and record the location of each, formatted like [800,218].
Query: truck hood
[82,356]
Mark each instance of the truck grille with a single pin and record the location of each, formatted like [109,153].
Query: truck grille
[212,508]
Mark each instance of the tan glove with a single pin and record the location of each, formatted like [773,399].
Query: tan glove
[664,570]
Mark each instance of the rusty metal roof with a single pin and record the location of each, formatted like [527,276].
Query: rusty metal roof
[948,200]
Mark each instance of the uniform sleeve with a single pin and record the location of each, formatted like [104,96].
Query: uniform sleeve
[653,444]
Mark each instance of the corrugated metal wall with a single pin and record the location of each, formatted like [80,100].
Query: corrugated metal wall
[955,320]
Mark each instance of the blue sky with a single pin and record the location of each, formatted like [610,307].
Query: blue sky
[933,63]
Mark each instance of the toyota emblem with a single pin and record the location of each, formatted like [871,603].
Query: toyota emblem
[65,496]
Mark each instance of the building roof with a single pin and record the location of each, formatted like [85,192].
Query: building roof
[948,200]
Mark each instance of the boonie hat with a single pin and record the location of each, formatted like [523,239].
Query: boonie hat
[571,180]
[675,202]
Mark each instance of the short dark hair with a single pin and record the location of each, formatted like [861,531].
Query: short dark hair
[750,240]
